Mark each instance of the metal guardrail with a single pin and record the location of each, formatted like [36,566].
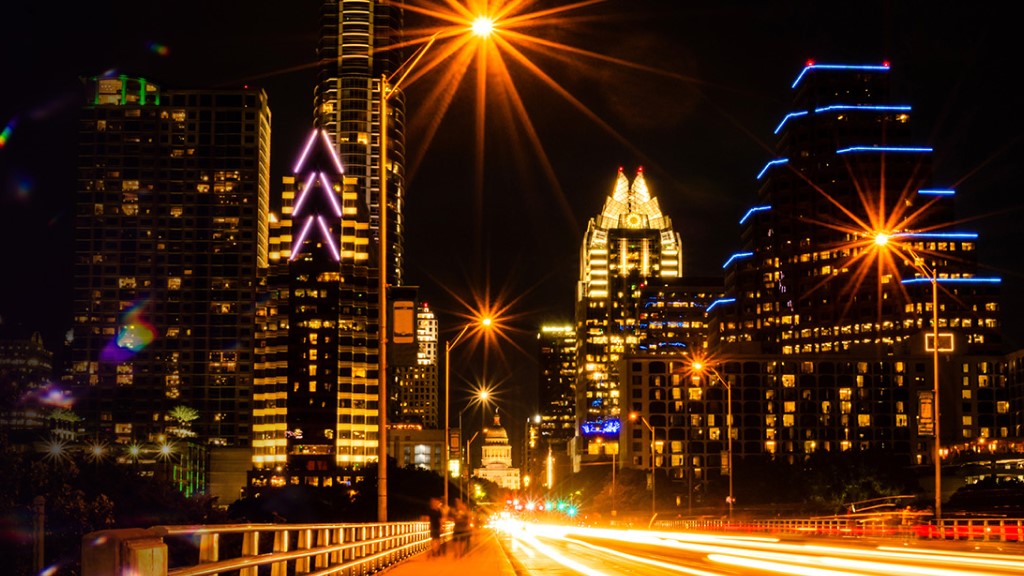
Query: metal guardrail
[873,526]
[237,549]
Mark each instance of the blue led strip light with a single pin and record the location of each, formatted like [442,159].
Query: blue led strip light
[975,280]
[770,164]
[752,210]
[882,68]
[939,235]
[719,301]
[882,149]
[936,192]
[788,116]
[736,256]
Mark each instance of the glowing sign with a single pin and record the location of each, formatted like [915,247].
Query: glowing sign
[601,427]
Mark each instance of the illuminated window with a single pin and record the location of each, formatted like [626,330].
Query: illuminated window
[864,420]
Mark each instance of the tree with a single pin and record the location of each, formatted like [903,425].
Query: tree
[184,416]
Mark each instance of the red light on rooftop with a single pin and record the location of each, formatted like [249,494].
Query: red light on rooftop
[810,63]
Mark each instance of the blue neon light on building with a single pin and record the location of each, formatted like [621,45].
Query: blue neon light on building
[752,210]
[770,164]
[809,67]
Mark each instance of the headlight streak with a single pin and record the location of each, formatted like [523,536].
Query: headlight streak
[774,567]
[793,558]
[642,560]
[531,541]
[979,558]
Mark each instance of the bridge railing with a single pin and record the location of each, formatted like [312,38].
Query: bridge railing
[241,549]
[870,526]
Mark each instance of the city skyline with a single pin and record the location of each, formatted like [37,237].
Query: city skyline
[686,99]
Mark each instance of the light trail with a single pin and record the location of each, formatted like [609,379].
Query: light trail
[742,554]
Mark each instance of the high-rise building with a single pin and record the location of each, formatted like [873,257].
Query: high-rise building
[629,245]
[170,230]
[556,359]
[355,52]
[673,317]
[316,390]
[418,384]
[27,394]
[810,278]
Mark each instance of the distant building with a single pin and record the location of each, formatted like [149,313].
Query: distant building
[417,389]
[27,393]
[627,247]
[496,458]
[170,226]
[416,446]
[549,457]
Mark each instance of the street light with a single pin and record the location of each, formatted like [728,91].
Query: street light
[699,366]
[480,397]
[654,479]
[387,90]
[485,322]
[918,264]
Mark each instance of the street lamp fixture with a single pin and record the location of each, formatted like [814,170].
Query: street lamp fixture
[483,323]
[916,262]
[700,367]
[654,479]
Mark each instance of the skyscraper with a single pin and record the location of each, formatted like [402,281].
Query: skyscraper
[318,411]
[354,54]
[848,165]
[418,384]
[629,245]
[556,359]
[171,217]
[315,392]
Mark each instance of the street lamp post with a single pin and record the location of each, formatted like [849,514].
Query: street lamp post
[447,395]
[387,90]
[931,274]
[481,397]
[700,367]
[654,477]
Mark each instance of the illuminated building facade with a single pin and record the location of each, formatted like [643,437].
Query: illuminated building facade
[791,406]
[354,53]
[170,230]
[849,165]
[496,458]
[629,245]
[673,316]
[315,392]
[417,400]
[557,400]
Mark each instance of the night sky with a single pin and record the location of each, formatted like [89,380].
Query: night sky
[690,91]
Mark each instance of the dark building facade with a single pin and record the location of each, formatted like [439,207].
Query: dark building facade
[811,277]
[170,230]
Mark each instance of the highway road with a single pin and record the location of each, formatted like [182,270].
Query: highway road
[553,550]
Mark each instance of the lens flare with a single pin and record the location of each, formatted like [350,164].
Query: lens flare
[5,135]
[133,335]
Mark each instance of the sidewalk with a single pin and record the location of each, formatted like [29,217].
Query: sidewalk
[486,557]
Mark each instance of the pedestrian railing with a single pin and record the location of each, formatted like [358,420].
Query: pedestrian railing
[242,549]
